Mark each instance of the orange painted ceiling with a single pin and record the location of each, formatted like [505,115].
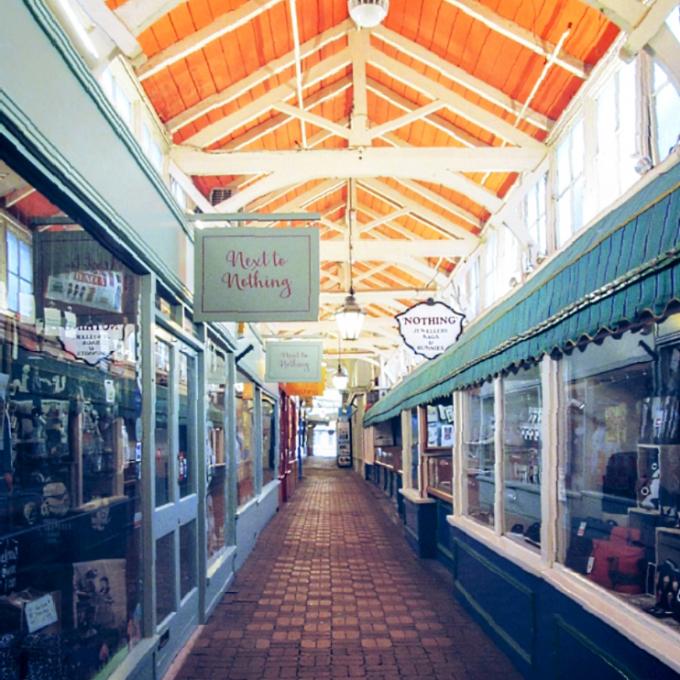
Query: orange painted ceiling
[203,85]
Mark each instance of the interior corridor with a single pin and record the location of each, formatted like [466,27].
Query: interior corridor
[333,591]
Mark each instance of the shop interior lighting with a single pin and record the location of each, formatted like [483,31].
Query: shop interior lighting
[368,13]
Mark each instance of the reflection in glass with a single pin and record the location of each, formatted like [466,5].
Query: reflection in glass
[162,360]
[522,418]
[268,452]
[165,576]
[245,485]
[215,453]
[187,417]
[478,452]
[415,448]
[619,469]
[187,558]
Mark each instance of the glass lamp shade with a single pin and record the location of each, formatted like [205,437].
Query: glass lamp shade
[368,13]
[350,319]
[341,379]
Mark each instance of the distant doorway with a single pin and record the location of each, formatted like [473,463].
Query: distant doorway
[324,443]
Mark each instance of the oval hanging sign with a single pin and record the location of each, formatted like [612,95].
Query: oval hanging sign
[429,328]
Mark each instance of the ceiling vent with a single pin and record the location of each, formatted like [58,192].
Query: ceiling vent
[219,194]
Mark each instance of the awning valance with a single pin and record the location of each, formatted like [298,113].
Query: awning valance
[624,267]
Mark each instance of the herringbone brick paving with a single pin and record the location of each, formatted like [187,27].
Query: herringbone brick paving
[332,590]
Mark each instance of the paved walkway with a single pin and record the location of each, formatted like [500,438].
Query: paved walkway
[332,590]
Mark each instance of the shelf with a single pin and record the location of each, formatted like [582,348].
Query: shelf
[440,494]
[438,450]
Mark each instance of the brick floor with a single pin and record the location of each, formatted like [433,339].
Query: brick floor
[332,590]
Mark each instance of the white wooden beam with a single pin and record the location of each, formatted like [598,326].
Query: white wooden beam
[138,15]
[313,119]
[224,126]
[313,194]
[258,77]
[111,23]
[438,122]
[458,75]
[646,29]
[432,164]
[223,25]
[394,250]
[408,118]
[458,104]
[359,42]
[382,219]
[518,34]
[386,192]
[368,296]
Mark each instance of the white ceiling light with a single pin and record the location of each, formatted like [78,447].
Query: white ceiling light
[368,13]
[341,379]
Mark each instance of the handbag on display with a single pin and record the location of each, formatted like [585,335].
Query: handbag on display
[667,590]
[583,533]
[618,562]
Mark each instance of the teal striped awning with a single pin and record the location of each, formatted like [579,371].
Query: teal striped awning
[625,267]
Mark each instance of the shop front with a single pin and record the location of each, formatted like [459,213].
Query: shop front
[564,527]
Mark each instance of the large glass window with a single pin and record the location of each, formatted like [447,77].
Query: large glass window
[70,454]
[245,454]
[162,432]
[479,428]
[570,182]
[666,112]
[187,424]
[522,417]
[616,128]
[619,474]
[215,459]
[415,449]
[268,450]
[535,215]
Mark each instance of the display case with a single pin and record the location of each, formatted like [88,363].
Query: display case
[438,434]
[245,454]
[70,453]
[522,434]
[620,468]
[268,444]
[479,428]
[439,475]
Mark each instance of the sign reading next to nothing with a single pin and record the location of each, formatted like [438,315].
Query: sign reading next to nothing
[293,361]
[429,328]
[246,274]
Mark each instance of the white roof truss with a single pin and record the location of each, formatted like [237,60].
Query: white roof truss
[459,75]
[223,25]
[518,34]
[138,15]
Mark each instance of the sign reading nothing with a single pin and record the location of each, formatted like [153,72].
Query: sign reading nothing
[429,328]
[293,361]
[245,274]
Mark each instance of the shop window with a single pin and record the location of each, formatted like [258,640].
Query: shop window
[70,457]
[178,193]
[666,101]
[479,457]
[268,450]
[570,183]
[187,424]
[619,472]
[472,289]
[165,577]
[19,274]
[245,454]
[188,553]
[490,269]
[117,96]
[162,431]
[215,459]
[152,148]
[536,216]
[438,449]
[415,449]
[616,129]
[522,417]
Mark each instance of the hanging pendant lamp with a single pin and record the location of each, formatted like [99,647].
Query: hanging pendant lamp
[368,13]
[350,317]
[341,377]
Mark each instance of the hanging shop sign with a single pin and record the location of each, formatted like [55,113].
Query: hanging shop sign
[429,328]
[96,289]
[293,361]
[257,274]
[306,389]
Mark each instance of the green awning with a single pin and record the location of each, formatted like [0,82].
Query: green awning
[623,268]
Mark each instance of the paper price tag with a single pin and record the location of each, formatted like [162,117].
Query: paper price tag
[590,565]
[582,529]
[40,613]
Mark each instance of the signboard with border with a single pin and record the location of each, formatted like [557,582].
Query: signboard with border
[257,274]
[430,328]
[293,361]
